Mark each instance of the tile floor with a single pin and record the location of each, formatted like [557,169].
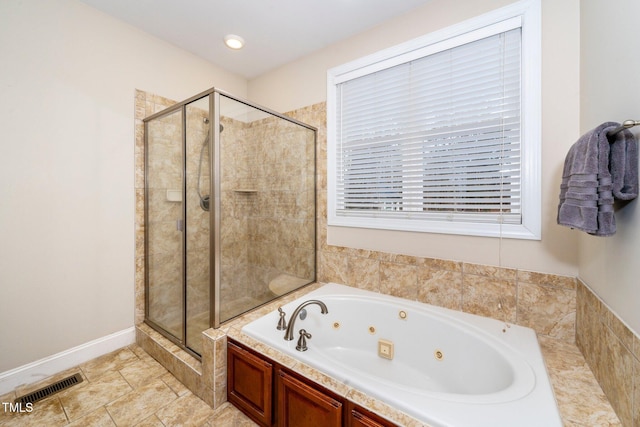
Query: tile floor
[129,388]
[124,388]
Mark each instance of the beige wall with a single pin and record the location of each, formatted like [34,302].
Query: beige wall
[68,80]
[610,90]
[303,83]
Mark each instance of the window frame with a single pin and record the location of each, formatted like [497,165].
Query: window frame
[527,12]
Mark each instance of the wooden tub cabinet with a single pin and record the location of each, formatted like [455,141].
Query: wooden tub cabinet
[273,395]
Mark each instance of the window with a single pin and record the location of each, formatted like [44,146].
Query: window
[441,134]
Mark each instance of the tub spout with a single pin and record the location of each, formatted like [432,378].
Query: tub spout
[289,333]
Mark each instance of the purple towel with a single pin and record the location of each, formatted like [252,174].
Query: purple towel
[595,172]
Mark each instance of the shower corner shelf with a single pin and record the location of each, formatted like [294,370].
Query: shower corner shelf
[246,190]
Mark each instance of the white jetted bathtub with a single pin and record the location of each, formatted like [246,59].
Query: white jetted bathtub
[443,367]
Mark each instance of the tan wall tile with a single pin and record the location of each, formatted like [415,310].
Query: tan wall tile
[399,280]
[546,279]
[334,268]
[489,297]
[440,264]
[364,273]
[616,375]
[440,287]
[607,345]
[548,310]
[490,271]
[620,330]
[397,258]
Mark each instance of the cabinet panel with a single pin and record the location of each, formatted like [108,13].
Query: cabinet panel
[300,405]
[250,382]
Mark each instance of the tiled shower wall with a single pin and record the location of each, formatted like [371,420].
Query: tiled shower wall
[234,260]
[282,221]
[266,206]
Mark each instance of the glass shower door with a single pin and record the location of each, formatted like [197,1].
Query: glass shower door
[198,143]
[164,223]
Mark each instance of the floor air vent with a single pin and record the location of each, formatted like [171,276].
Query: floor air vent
[50,389]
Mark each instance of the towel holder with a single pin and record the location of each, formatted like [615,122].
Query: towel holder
[625,125]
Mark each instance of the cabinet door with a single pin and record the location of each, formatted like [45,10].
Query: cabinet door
[301,405]
[249,387]
[360,417]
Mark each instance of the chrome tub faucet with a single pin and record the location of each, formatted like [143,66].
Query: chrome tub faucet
[289,332]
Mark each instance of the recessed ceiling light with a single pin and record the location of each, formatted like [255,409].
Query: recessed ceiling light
[233,42]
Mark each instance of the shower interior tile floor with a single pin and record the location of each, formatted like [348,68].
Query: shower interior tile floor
[124,388]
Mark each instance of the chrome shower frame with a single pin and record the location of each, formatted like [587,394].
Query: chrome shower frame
[214,206]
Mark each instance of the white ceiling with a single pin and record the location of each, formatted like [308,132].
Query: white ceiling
[276,31]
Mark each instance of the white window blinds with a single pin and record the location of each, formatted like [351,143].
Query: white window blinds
[438,137]
[441,133]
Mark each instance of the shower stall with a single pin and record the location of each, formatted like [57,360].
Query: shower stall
[229,212]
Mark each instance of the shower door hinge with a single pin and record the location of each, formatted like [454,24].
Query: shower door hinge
[180,225]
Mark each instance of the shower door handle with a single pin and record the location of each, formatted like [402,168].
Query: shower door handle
[180,225]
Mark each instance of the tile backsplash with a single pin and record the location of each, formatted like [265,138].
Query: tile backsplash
[543,302]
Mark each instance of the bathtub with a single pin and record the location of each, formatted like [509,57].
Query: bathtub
[447,368]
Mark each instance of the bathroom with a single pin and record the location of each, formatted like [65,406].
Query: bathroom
[69,177]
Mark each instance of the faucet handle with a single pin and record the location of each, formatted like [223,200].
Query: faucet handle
[302,341]
[282,323]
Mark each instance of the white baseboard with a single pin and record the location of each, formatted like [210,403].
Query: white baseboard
[44,368]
